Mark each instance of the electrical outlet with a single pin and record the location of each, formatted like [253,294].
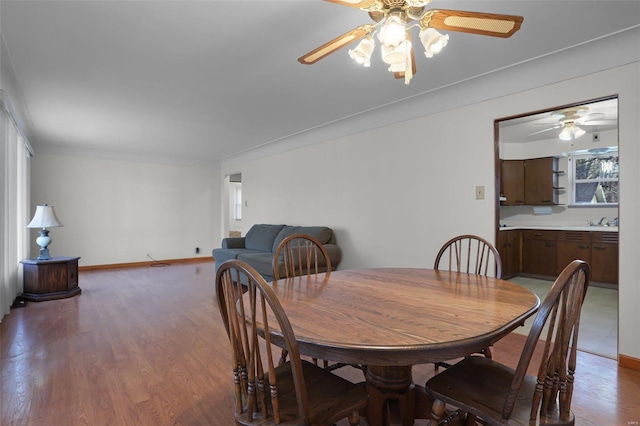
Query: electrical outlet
[596,137]
[480,192]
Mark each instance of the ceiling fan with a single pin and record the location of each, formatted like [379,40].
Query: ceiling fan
[570,120]
[393,21]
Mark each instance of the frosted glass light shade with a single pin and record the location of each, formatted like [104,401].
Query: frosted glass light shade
[432,41]
[362,53]
[396,57]
[393,31]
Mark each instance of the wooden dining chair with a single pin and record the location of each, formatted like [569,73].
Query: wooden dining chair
[294,393]
[470,254]
[300,255]
[496,394]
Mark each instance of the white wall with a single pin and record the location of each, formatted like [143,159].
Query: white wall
[118,211]
[396,193]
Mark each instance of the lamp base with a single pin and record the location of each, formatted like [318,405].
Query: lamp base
[44,254]
[43,241]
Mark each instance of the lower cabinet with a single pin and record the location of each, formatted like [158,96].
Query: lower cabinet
[604,257]
[509,247]
[539,252]
[547,253]
[572,245]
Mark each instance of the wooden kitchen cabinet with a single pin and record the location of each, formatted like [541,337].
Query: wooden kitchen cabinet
[50,279]
[509,247]
[604,257]
[512,182]
[533,181]
[541,181]
[572,245]
[539,252]
[547,253]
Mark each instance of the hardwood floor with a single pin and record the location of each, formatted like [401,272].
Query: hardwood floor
[146,346]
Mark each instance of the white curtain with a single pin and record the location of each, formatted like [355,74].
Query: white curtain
[14,215]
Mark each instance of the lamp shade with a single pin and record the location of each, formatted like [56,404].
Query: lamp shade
[45,217]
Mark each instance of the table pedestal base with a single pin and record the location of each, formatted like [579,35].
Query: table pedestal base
[386,383]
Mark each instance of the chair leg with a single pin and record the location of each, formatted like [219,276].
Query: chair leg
[354,418]
[283,357]
[437,412]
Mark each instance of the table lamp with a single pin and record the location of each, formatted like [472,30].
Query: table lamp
[45,217]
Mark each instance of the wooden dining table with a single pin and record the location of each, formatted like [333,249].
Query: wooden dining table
[390,319]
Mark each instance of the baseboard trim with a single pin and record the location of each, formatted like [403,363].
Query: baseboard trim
[629,362]
[149,263]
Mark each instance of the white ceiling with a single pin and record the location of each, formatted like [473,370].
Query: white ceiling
[199,81]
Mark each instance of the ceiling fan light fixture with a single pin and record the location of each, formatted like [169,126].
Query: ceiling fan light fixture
[432,41]
[577,131]
[394,30]
[362,53]
[571,131]
[396,56]
[565,134]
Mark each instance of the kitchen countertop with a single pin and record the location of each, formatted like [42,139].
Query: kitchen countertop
[562,228]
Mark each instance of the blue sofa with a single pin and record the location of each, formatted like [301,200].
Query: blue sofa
[258,246]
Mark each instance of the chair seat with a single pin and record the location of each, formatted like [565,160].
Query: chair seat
[322,388]
[478,385]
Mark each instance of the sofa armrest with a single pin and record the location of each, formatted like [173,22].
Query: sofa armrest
[334,253]
[233,243]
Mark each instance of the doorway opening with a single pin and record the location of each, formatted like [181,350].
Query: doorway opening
[557,200]
[232,213]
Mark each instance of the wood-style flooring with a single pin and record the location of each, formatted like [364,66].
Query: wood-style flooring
[146,346]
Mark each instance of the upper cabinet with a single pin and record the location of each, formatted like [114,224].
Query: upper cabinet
[529,182]
[512,182]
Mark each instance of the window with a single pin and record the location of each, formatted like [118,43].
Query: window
[237,203]
[594,177]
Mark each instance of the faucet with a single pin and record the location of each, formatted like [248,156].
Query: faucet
[600,222]
[614,222]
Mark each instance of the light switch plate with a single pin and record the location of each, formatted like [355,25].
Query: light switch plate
[480,192]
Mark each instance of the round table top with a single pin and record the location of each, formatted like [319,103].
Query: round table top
[400,316]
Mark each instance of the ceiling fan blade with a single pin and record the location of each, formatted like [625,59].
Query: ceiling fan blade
[490,24]
[545,130]
[335,44]
[596,122]
[358,4]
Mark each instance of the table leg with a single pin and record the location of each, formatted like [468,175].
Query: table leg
[390,383]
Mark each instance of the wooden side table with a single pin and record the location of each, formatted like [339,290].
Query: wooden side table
[55,278]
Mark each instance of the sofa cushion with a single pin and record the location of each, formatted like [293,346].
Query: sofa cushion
[320,233]
[221,255]
[260,237]
[263,262]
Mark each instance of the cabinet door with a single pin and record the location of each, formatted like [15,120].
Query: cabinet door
[72,274]
[512,182]
[573,245]
[509,249]
[540,181]
[539,252]
[604,257]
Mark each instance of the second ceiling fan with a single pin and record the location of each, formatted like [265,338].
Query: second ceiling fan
[393,21]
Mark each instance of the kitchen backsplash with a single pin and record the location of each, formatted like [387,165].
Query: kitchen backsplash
[560,216]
